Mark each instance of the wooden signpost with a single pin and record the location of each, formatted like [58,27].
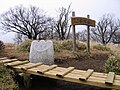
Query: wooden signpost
[82,21]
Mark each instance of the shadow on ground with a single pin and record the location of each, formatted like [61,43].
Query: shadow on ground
[43,83]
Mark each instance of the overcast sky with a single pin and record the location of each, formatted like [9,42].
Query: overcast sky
[95,8]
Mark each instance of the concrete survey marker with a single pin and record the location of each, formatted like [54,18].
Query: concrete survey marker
[42,51]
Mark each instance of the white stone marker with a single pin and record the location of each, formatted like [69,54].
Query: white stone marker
[42,51]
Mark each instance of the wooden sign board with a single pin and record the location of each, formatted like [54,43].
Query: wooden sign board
[82,21]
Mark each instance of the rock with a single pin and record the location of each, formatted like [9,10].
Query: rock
[42,51]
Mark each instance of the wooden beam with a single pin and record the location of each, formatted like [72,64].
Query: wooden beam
[95,81]
[86,75]
[30,65]
[88,36]
[21,74]
[74,34]
[47,69]
[110,78]
[7,61]
[62,74]
[16,63]
[3,58]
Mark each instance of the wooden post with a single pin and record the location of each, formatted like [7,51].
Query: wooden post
[26,78]
[74,35]
[88,36]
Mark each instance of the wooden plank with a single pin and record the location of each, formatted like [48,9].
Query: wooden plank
[7,61]
[117,77]
[39,68]
[86,75]
[30,65]
[95,81]
[62,74]
[116,82]
[21,74]
[22,66]
[47,69]
[94,74]
[16,63]
[3,58]
[59,69]
[90,81]
[110,78]
[42,67]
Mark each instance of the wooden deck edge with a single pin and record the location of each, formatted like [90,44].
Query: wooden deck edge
[108,83]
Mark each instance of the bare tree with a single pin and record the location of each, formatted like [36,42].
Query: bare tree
[116,38]
[83,35]
[61,25]
[105,29]
[26,21]
[18,38]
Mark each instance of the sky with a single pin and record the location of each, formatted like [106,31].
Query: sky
[95,8]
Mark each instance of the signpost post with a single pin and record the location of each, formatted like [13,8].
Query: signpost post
[82,21]
[74,35]
[88,36]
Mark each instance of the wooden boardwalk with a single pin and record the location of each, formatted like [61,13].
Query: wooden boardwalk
[70,74]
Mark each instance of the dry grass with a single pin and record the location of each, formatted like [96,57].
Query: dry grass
[115,48]
[60,53]
[12,53]
[10,46]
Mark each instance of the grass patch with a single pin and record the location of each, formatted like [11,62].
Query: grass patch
[101,47]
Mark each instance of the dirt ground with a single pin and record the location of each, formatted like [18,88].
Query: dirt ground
[94,61]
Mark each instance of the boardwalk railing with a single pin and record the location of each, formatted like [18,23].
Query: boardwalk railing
[70,74]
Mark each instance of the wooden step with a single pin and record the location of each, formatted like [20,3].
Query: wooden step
[7,61]
[86,75]
[110,78]
[68,70]
[3,58]
[16,63]
[30,65]
[47,69]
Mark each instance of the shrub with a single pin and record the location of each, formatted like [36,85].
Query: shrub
[81,46]
[101,47]
[57,46]
[113,64]
[6,79]
[25,46]
[2,46]
[67,45]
